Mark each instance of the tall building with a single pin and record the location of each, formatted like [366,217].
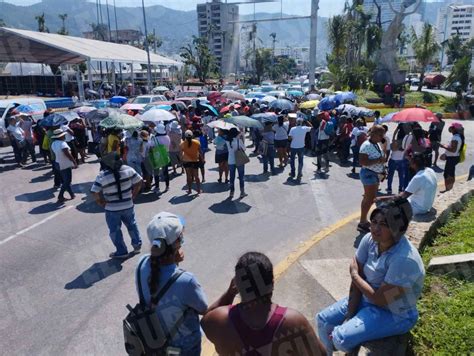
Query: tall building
[455,19]
[216,22]
[386,13]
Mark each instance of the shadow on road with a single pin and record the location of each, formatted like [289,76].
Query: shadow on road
[89,206]
[181,199]
[147,197]
[44,178]
[428,217]
[40,195]
[95,273]
[257,178]
[46,208]
[230,207]
[7,168]
[215,187]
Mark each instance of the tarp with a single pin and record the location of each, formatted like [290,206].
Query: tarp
[49,48]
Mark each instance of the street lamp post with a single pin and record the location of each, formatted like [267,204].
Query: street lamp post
[312,40]
[147,47]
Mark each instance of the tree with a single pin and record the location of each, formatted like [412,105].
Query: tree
[41,23]
[100,31]
[457,49]
[199,56]
[154,41]
[263,61]
[425,48]
[63,30]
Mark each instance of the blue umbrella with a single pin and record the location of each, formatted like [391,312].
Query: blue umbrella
[282,104]
[265,117]
[24,109]
[118,100]
[328,103]
[58,119]
[295,93]
[211,108]
[345,96]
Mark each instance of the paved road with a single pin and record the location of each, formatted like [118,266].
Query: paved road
[446,93]
[60,294]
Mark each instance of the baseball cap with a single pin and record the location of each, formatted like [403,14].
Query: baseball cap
[456,125]
[160,129]
[164,229]
[188,133]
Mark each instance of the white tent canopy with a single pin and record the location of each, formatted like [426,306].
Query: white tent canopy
[39,47]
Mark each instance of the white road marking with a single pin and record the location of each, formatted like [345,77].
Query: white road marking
[36,224]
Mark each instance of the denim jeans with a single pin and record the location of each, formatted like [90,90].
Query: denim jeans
[30,149]
[370,323]
[56,173]
[392,167]
[114,221]
[269,159]
[355,156]
[406,172]
[66,179]
[293,153]
[166,176]
[323,153]
[241,171]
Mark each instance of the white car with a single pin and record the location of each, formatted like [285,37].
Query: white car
[147,99]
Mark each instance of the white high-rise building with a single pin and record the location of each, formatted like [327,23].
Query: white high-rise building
[386,13]
[216,22]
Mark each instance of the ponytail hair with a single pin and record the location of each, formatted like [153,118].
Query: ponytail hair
[189,140]
[154,279]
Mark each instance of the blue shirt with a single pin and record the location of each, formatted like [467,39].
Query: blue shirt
[401,265]
[184,294]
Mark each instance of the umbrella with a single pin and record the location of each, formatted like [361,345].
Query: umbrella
[388,117]
[255,95]
[84,109]
[353,110]
[92,92]
[24,109]
[131,107]
[221,124]
[227,108]
[121,121]
[118,100]
[282,104]
[58,119]
[233,95]
[265,117]
[415,114]
[244,121]
[160,88]
[97,115]
[313,96]
[311,104]
[214,96]
[157,115]
[345,96]
[295,93]
[268,99]
[327,103]
[211,109]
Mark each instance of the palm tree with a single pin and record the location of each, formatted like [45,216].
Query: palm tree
[425,48]
[337,33]
[41,23]
[63,30]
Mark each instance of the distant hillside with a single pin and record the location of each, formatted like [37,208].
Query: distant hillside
[175,27]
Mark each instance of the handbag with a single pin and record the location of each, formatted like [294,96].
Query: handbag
[241,157]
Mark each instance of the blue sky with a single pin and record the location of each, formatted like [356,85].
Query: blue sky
[296,7]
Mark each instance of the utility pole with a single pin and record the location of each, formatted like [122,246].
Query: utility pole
[116,24]
[312,40]
[147,47]
[108,20]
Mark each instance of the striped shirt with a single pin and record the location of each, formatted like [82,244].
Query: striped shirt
[105,184]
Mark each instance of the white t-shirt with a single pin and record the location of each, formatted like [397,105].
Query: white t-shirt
[373,151]
[298,134]
[16,131]
[237,143]
[69,137]
[356,131]
[61,158]
[458,139]
[281,132]
[423,191]
[386,145]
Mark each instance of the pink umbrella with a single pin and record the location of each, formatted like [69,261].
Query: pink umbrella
[127,107]
[227,108]
[415,114]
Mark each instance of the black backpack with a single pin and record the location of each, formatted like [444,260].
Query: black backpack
[143,332]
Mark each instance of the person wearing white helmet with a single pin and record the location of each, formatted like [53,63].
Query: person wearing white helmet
[162,139]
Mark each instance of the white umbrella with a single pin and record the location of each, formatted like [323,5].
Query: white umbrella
[233,95]
[313,96]
[221,124]
[268,98]
[157,115]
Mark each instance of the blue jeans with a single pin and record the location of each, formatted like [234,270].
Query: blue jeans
[66,179]
[293,153]
[269,158]
[406,172]
[323,153]
[392,167]
[370,323]
[241,171]
[355,156]
[114,221]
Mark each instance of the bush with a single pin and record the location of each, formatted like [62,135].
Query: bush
[429,98]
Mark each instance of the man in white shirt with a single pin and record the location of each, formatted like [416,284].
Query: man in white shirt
[17,140]
[65,161]
[421,191]
[297,136]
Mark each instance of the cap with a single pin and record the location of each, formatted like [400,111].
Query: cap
[164,229]
[300,119]
[160,129]
[188,133]
[456,125]
[174,125]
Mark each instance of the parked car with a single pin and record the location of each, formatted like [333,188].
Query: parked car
[147,99]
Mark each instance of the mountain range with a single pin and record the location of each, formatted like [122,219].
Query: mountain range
[175,28]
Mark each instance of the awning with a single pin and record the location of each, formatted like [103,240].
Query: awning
[49,48]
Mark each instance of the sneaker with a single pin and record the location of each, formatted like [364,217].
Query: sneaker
[242,195]
[299,177]
[156,190]
[117,256]
[291,175]
[73,196]
[326,169]
[137,248]
[61,200]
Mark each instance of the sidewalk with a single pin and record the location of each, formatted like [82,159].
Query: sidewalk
[321,276]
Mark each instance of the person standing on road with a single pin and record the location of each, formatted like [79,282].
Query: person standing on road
[185,299]
[281,140]
[234,143]
[372,159]
[268,141]
[175,136]
[324,140]
[297,136]
[191,158]
[387,275]
[358,137]
[256,323]
[452,154]
[161,138]
[435,134]
[135,152]
[222,156]
[26,124]
[114,189]
[17,140]
[64,161]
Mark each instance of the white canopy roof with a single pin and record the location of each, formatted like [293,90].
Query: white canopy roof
[49,48]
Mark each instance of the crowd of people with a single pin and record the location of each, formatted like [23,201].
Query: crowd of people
[386,273]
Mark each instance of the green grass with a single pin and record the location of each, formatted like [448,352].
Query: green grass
[446,324]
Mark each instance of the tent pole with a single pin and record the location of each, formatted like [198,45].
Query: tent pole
[114,79]
[80,85]
[89,74]
[133,79]
[62,80]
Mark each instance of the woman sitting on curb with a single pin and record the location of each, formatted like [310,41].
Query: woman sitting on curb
[387,278]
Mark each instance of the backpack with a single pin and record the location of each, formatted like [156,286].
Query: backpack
[329,128]
[142,329]
[159,156]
